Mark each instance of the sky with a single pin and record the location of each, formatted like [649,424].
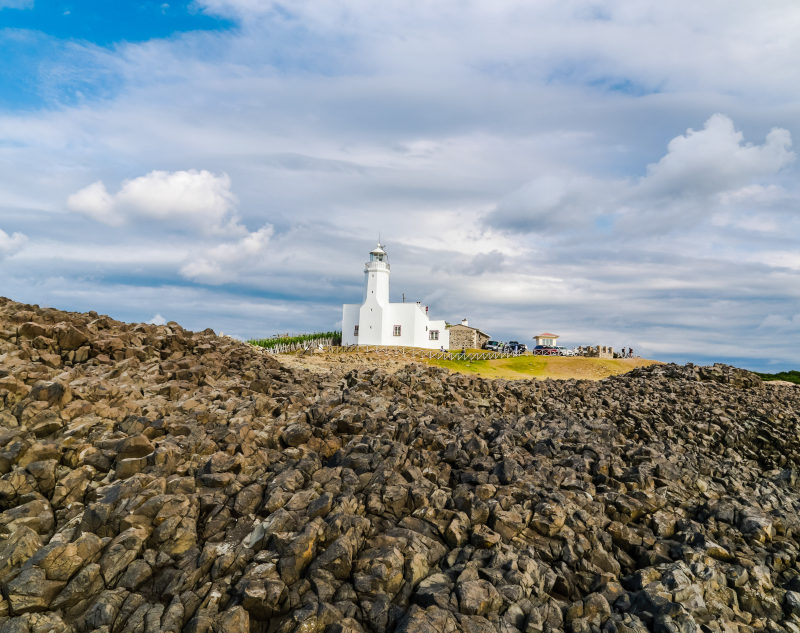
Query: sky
[619,173]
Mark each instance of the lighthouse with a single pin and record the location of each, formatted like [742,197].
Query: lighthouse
[378,321]
[376,276]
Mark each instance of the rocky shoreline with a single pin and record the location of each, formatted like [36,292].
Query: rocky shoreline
[154,479]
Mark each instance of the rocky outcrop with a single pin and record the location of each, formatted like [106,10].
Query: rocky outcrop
[155,479]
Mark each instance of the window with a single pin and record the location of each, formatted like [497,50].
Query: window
[434,335]
[396,331]
[355,331]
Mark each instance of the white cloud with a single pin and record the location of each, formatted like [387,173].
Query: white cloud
[714,160]
[95,201]
[194,200]
[225,262]
[753,194]
[700,172]
[10,244]
[157,319]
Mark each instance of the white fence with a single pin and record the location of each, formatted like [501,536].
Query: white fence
[421,353]
[329,346]
[303,345]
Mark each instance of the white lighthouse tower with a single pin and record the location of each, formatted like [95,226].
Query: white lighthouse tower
[376,275]
[377,321]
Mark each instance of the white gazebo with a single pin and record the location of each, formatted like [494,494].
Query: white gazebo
[377,321]
[546,339]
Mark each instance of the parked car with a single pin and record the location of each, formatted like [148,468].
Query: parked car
[563,351]
[545,350]
[516,347]
[493,346]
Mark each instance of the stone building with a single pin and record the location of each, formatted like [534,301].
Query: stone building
[377,321]
[462,335]
[596,351]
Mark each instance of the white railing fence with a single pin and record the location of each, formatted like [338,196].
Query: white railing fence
[417,352]
[326,342]
[331,346]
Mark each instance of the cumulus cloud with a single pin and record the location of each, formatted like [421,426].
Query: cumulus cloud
[714,160]
[10,244]
[700,172]
[225,262]
[192,199]
[95,202]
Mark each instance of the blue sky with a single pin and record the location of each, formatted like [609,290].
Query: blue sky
[619,173]
[48,46]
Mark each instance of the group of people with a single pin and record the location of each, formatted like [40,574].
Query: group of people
[623,354]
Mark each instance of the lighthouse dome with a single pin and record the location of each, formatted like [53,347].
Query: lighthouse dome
[378,254]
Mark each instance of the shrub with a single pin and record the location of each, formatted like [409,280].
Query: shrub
[300,338]
[788,376]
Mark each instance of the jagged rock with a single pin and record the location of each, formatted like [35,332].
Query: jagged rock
[477,597]
[296,434]
[31,591]
[155,479]
[263,598]
[16,548]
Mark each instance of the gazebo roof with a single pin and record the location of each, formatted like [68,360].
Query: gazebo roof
[546,335]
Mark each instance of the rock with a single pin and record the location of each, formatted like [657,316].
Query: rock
[263,598]
[296,434]
[483,537]
[156,479]
[85,584]
[757,526]
[508,523]
[320,506]
[61,560]
[31,591]
[53,393]
[477,597]
[16,548]
[430,620]
[548,519]
[121,552]
[249,499]
[234,620]
[134,446]
[434,590]
[791,603]
[69,337]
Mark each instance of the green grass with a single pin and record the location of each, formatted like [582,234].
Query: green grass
[525,367]
[788,376]
[301,338]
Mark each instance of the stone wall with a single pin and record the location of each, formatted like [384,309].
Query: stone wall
[464,336]
[596,351]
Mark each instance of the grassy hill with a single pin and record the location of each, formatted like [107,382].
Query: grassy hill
[524,367]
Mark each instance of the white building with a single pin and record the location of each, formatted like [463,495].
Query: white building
[376,321]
